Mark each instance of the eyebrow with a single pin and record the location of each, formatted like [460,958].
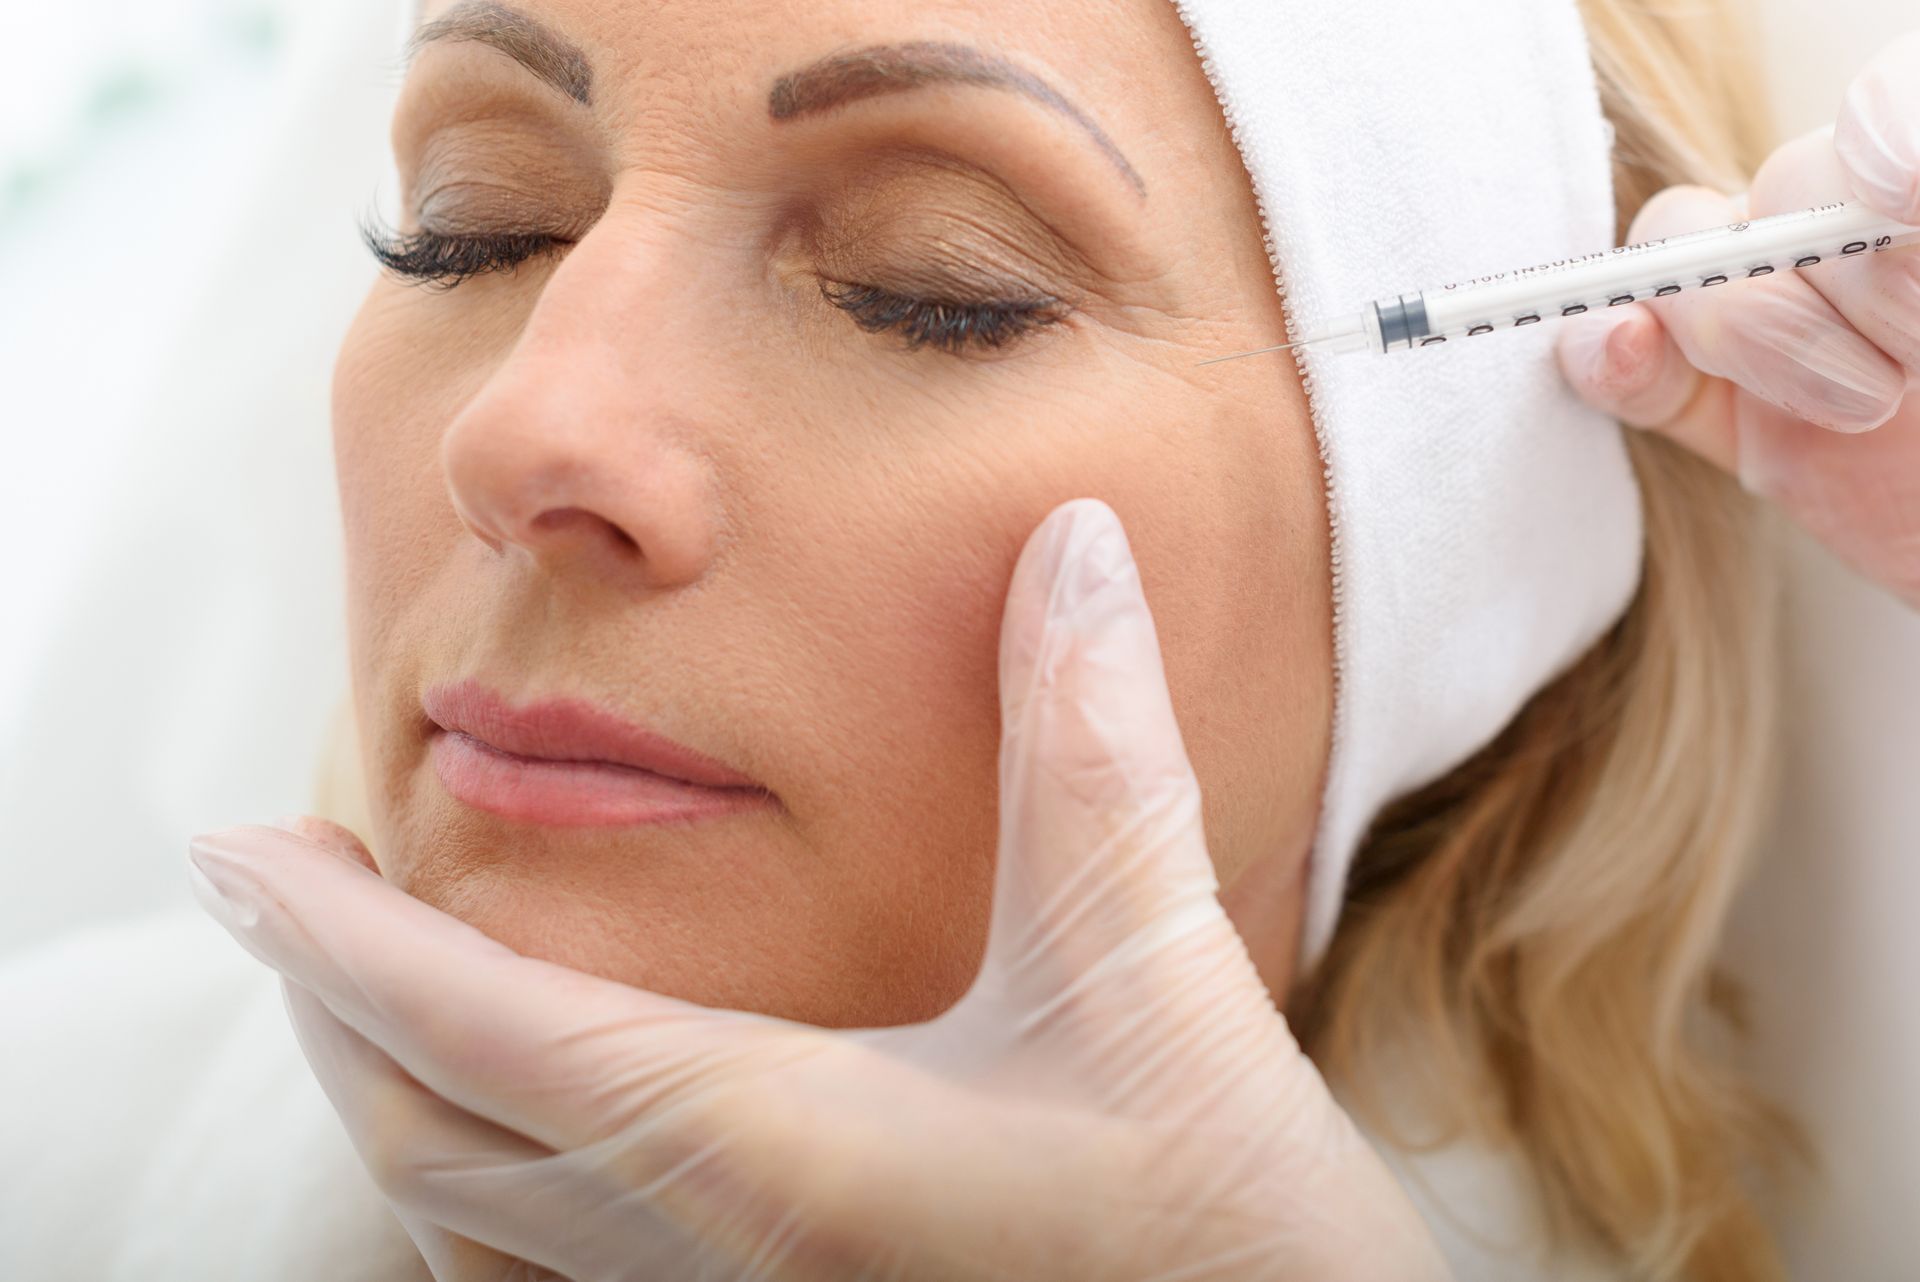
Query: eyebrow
[821,86]
[842,78]
[539,49]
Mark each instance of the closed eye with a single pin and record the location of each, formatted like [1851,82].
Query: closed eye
[944,324]
[440,261]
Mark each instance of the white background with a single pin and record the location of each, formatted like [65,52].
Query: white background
[178,183]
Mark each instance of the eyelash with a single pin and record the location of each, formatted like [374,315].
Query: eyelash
[439,261]
[943,324]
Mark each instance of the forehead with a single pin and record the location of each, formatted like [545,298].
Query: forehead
[1114,54]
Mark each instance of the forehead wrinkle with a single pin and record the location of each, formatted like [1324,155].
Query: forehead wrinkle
[898,68]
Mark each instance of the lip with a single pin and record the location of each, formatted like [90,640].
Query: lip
[567,762]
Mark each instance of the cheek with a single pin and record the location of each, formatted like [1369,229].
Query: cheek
[385,464]
[1225,511]
[1223,507]
[406,365]
[889,642]
[393,381]
[1243,589]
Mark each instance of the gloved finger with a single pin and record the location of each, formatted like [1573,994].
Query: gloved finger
[802,1159]
[1877,292]
[408,1138]
[1624,362]
[1775,336]
[521,1042]
[1859,496]
[324,832]
[1877,135]
[486,1205]
[1102,863]
[452,1258]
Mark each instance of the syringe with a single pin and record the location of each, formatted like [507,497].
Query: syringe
[1608,278]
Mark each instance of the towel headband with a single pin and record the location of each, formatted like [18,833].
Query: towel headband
[1486,524]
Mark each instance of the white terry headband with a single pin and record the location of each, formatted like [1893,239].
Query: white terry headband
[1486,524]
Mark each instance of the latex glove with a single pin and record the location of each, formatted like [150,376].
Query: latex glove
[1116,1097]
[1803,384]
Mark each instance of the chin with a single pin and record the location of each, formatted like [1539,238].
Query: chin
[696,912]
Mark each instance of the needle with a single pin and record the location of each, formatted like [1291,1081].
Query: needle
[1258,351]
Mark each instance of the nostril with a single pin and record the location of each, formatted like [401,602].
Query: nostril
[559,519]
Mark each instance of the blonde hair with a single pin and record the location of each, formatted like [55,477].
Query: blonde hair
[1541,922]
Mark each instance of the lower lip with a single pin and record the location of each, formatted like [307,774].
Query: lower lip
[575,793]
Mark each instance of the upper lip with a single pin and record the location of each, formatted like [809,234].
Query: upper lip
[563,729]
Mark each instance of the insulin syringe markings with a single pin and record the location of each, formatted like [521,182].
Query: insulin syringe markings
[1654,268]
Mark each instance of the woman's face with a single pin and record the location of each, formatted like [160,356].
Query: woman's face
[692,467]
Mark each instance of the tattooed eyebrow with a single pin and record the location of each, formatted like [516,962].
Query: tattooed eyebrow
[842,78]
[538,48]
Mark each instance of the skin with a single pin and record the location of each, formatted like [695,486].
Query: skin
[660,472]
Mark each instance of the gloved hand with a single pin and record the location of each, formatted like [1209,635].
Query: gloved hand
[1802,384]
[1116,1097]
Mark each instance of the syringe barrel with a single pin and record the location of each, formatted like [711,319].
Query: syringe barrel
[1615,277]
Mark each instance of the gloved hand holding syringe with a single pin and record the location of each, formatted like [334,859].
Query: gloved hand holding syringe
[1802,379]
[1655,268]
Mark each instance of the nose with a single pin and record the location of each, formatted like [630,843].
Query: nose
[580,457]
